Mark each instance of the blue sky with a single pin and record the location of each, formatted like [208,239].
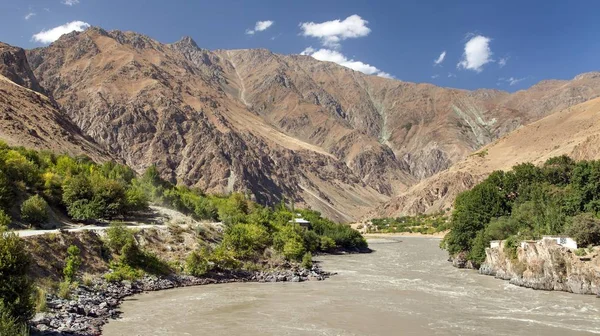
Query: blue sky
[536,39]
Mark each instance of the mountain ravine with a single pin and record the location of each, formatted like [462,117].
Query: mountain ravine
[276,127]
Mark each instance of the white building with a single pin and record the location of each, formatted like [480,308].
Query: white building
[301,221]
[565,241]
[495,243]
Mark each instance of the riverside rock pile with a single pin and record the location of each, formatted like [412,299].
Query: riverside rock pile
[90,307]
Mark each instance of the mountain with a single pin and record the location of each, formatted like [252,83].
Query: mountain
[574,131]
[277,126]
[30,118]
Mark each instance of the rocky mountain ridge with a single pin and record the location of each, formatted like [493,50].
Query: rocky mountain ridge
[277,126]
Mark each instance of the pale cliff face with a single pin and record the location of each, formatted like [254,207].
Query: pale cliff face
[545,265]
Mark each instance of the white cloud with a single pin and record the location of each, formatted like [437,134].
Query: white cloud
[337,57]
[440,59]
[477,54]
[502,61]
[451,75]
[29,16]
[51,35]
[70,2]
[435,76]
[512,80]
[260,26]
[332,32]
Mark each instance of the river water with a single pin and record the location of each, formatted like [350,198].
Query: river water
[405,287]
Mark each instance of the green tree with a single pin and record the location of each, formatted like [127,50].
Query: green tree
[72,264]
[34,210]
[246,240]
[15,286]
[585,229]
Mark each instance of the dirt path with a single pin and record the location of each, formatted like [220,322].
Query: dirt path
[161,217]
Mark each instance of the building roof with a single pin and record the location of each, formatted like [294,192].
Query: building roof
[300,221]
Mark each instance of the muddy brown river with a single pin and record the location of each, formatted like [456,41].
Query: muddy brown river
[405,287]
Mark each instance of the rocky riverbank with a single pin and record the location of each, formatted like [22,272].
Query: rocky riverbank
[90,307]
[545,265]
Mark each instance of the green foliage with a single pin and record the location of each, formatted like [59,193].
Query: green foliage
[10,325]
[34,210]
[39,299]
[117,236]
[510,247]
[15,286]
[4,220]
[420,223]
[585,229]
[197,263]
[72,264]
[64,289]
[526,203]
[326,244]
[307,261]
[294,249]
[246,240]
[120,272]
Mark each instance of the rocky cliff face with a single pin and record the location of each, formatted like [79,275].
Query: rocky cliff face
[277,126]
[547,266]
[573,131]
[30,118]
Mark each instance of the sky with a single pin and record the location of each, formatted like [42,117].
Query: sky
[508,45]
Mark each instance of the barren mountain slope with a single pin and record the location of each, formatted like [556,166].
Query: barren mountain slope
[276,126]
[29,118]
[574,131]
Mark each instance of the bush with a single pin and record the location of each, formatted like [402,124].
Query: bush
[15,286]
[118,235]
[585,229]
[9,325]
[136,200]
[122,272]
[224,259]
[64,289]
[294,250]
[326,244]
[197,263]
[72,264]
[34,210]
[307,261]
[4,220]
[246,240]
[510,247]
[39,299]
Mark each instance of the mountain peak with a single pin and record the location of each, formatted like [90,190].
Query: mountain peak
[187,41]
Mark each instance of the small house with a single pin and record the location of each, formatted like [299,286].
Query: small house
[301,221]
[565,241]
[495,243]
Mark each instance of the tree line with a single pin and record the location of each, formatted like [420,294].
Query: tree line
[560,196]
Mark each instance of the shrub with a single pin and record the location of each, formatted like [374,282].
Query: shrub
[224,259]
[307,261]
[122,272]
[4,220]
[34,210]
[136,200]
[6,191]
[246,240]
[118,235]
[510,246]
[72,264]
[326,244]
[64,289]
[585,229]
[197,263]
[294,250]
[39,299]
[9,325]
[15,286]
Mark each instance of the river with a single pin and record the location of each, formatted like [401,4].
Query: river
[405,287]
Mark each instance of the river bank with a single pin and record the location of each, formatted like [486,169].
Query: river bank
[93,306]
[403,288]
[439,235]
[542,265]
